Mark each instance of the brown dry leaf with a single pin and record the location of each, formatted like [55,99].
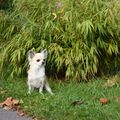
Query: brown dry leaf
[104,101]
[21,112]
[15,102]
[16,107]
[8,102]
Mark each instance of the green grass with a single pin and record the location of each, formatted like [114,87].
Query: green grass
[60,107]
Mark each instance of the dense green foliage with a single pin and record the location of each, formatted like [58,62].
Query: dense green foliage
[5,4]
[82,36]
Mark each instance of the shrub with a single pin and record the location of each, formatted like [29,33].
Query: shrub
[81,36]
[5,4]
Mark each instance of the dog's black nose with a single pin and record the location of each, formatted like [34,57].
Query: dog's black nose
[43,62]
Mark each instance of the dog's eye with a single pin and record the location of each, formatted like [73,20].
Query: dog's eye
[43,59]
[38,60]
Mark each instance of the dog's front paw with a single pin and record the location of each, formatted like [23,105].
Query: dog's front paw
[41,93]
[51,93]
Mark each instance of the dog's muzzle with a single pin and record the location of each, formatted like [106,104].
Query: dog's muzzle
[43,61]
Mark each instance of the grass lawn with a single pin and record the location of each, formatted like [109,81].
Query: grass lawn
[63,104]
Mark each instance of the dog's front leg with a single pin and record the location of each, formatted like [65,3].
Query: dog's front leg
[41,88]
[47,87]
[30,88]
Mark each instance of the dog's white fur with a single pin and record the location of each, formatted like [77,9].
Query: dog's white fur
[36,72]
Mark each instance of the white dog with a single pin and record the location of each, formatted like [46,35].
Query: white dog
[36,72]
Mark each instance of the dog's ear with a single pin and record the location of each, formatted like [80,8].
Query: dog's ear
[45,53]
[31,54]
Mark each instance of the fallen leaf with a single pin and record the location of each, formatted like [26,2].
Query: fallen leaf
[16,107]
[8,102]
[15,102]
[21,112]
[104,100]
